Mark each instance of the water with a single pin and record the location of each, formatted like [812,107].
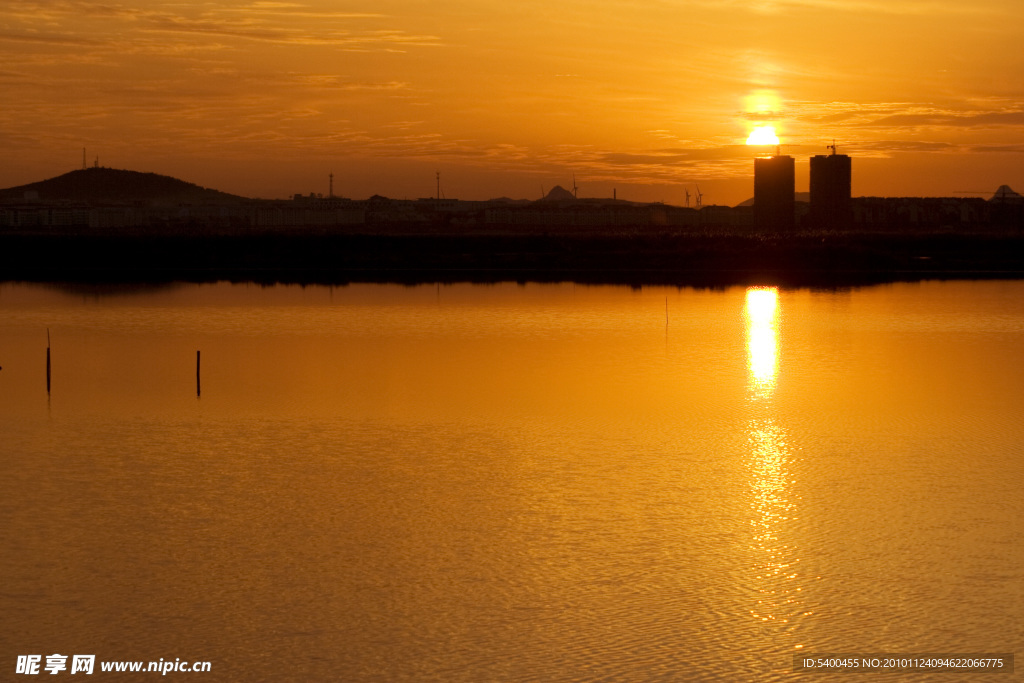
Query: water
[511,483]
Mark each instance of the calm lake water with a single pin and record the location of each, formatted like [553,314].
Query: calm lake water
[511,483]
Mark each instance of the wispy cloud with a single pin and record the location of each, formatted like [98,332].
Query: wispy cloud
[902,146]
[908,8]
[253,30]
[63,39]
[333,82]
[998,149]
[904,116]
[278,23]
[949,119]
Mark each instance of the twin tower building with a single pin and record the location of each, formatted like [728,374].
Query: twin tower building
[775,187]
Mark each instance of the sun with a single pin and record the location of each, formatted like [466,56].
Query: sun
[763,135]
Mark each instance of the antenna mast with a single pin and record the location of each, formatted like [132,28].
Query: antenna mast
[330,191]
[575,189]
[438,184]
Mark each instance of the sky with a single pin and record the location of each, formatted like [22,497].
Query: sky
[647,99]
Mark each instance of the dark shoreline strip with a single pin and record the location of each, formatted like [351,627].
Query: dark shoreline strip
[698,260]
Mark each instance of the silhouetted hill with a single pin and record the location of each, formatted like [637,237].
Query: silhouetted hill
[558,194]
[1006,194]
[102,185]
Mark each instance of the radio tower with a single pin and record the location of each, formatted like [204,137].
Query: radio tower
[330,190]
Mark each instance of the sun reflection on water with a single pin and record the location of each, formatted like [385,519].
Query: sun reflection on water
[761,312]
[773,570]
[772,506]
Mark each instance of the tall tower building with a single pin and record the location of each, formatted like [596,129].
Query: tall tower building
[774,185]
[830,190]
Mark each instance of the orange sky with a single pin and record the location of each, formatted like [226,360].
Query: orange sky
[648,97]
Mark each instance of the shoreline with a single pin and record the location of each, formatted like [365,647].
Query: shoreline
[655,258]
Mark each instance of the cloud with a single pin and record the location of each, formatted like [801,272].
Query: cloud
[291,9]
[840,117]
[51,39]
[332,82]
[283,35]
[997,149]
[626,159]
[948,119]
[674,164]
[929,8]
[903,146]
[267,22]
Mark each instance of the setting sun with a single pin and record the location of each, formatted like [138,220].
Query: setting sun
[763,135]
[267,98]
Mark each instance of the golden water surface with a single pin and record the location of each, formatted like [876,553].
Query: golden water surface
[510,483]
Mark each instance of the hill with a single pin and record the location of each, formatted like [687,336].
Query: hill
[558,194]
[1006,194]
[111,185]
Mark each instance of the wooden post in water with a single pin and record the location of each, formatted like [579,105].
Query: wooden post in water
[47,361]
[197,373]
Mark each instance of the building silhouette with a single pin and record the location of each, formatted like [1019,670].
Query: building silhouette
[830,190]
[774,187]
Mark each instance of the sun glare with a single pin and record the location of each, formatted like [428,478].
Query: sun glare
[763,135]
[761,313]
